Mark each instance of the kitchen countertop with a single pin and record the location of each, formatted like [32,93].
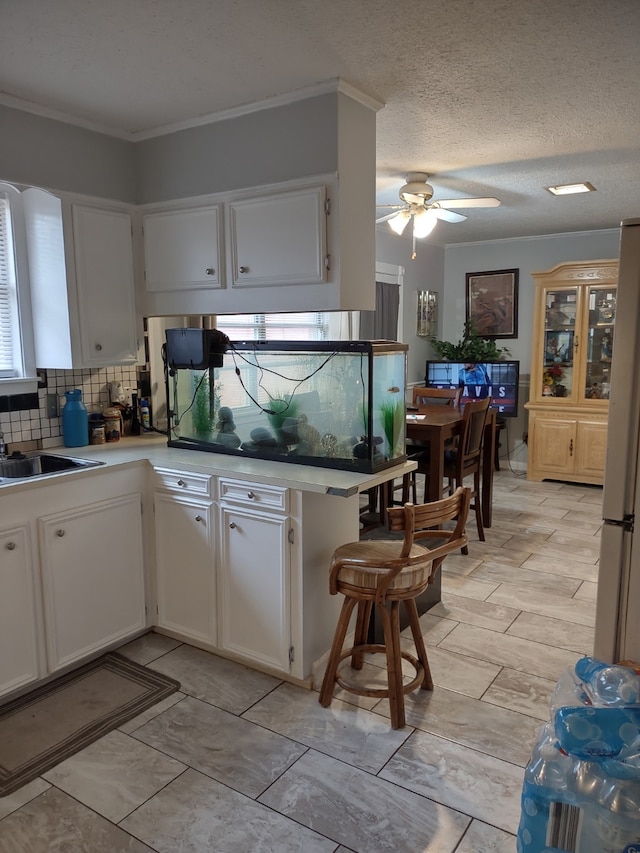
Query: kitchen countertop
[154,449]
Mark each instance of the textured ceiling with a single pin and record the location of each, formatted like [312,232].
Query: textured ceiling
[490,97]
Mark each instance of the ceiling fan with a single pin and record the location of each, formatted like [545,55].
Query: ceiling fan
[417,206]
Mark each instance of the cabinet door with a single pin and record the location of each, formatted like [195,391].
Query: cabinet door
[182,249]
[18,633]
[598,337]
[279,239]
[104,271]
[93,577]
[553,444]
[591,445]
[185,566]
[255,586]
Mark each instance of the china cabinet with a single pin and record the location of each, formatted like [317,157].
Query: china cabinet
[573,332]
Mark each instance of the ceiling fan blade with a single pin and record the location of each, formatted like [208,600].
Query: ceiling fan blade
[469,202]
[449,215]
[387,217]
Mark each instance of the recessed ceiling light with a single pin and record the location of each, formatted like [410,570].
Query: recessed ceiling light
[570,189]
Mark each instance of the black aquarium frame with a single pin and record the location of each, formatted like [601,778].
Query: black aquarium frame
[367,349]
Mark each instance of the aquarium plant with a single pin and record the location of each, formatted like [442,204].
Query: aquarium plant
[392,416]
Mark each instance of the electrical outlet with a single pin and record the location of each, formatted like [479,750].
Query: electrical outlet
[52,406]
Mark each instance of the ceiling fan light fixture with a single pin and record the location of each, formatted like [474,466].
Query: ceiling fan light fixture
[571,189]
[424,221]
[399,222]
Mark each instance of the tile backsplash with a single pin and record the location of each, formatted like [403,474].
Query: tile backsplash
[33,424]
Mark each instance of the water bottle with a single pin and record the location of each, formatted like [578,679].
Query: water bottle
[75,420]
[145,415]
[609,684]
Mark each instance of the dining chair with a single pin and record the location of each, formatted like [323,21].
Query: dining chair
[436,396]
[465,459]
[381,574]
[419,451]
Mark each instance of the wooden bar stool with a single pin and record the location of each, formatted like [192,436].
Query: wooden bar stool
[383,573]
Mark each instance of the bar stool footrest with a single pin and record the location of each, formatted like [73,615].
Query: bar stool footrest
[381,692]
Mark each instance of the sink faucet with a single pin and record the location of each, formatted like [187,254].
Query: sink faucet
[3,447]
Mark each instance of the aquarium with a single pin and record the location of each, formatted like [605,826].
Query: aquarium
[335,404]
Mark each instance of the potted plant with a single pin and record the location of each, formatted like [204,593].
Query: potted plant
[471,348]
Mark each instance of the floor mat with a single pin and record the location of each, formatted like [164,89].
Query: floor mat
[57,719]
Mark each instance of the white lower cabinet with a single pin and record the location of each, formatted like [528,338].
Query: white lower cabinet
[19,660]
[185,566]
[254,576]
[93,577]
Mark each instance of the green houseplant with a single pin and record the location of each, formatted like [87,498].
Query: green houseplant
[470,348]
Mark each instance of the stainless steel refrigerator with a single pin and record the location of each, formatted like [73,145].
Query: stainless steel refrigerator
[618,603]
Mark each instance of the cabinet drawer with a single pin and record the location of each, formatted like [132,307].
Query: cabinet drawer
[179,481]
[250,494]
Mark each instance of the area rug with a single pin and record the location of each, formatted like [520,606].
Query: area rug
[47,725]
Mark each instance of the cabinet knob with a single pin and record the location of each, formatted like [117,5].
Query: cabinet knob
[232,525]
[181,483]
[60,532]
[198,518]
[10,546]
[210,271]
[244,269]
[98,347]
[251,496]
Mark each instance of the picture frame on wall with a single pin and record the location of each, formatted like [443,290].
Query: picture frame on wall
[492,303]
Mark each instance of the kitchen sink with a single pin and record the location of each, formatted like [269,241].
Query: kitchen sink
[26,466]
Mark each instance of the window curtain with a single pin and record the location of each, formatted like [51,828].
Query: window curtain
[382,324]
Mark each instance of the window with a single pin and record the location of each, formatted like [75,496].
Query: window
[308,326]
[17,362]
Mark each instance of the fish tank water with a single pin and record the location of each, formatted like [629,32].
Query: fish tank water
[334,404]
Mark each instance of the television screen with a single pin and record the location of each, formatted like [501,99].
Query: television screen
[495,379]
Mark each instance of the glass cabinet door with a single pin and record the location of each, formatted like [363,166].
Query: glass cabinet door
[559,345]
[601,320]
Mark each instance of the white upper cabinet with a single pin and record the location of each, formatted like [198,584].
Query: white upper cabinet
[279,239]
[182,249]
[82,282]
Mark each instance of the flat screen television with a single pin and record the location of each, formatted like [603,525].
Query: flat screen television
[495,379]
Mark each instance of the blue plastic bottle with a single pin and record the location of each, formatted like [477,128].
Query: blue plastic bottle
[75,420]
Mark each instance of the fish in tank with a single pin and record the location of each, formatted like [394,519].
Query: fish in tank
[338,404]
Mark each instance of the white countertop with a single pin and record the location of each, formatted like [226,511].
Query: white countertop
[154,449]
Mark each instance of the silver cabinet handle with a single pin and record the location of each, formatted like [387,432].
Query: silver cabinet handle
[10,546]
[181,483]
[210,271]
[60,532]
[251,495]
[244,269]
[232,525]
[98,347]
[198,518]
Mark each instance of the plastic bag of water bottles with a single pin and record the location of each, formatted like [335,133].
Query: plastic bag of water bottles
[595,709]
[581,792]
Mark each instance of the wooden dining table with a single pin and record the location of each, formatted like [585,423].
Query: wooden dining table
[433,425]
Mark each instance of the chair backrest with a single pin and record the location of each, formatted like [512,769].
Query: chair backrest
[474,416]
[430,396]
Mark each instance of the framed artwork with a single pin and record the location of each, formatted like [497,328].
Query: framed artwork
[492,303]
[558,347]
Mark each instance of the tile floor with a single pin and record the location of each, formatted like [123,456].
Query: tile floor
[240,762]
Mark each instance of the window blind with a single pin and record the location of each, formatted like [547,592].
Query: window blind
[301,326]
[8,307]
